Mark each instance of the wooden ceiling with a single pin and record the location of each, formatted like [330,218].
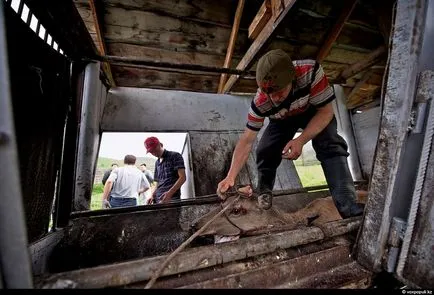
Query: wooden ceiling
[349,38]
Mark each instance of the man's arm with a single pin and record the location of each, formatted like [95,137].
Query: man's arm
[239,158]
[317,124]
[167,196]
[105,177]
[145,185]
[106,193]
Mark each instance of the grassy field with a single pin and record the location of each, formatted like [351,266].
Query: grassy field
[95,202]
[311,175]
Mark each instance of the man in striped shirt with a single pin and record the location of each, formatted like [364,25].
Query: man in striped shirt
[293,95]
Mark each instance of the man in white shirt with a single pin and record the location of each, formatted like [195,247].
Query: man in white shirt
[124,185]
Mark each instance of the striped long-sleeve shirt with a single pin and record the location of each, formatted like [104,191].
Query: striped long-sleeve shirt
[310,87]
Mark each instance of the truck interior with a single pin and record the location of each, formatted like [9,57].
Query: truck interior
[73,70]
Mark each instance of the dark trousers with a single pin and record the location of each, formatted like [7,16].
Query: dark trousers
[122,202]
[327,144]
[331,151]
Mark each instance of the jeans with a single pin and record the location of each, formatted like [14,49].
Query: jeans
[122,202]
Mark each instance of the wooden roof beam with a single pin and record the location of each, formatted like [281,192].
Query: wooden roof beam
[336,30]
[232,40]
[102,48]
[373,58]
[264,36]
[260,20]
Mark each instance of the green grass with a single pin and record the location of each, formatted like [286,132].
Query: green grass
[95,201]
[311,175]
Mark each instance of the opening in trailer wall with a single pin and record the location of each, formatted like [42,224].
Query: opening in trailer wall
[115,146]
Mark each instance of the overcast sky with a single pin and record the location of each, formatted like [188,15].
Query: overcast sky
[116,145]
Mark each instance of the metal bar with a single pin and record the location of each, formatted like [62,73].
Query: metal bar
[199,257]
[160,64]
[20,8]
[65,193]
[396,157]
[231,46]
[29,18]
[87,149]
[38,28]
[14,257]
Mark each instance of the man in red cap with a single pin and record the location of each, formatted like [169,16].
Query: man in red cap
[293,95]
[169,172]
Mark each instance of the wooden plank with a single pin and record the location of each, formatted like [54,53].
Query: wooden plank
[192,259]
[149,29]
[242,266]
[260,20]
[232,41]
[344,56]
[276,8]
[359,36]
[159,79]
[288,271]
[333,70]
[371,59]
[258,44]
[95,7]
[208,12]
[163,54]
[335,31]
[365,94]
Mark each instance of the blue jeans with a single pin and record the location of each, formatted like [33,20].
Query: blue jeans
[122,202]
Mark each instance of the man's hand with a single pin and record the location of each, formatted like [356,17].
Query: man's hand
[150,201]
[106,204]
[293,149]
[223,186]
[166,197]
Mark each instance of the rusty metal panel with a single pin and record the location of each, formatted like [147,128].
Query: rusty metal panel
[177,111]
[419,267]
[388,200]
[366,126]
[41,250]
[212,155]
[94,95]
[344,128]
[15,269]
[416,261]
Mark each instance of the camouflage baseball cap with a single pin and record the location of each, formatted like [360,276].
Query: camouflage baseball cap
[274,71]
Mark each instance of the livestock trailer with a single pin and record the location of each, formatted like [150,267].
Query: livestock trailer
[71,71]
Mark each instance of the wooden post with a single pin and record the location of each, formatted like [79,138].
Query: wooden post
[96,21]
[232,41]
[336,30]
